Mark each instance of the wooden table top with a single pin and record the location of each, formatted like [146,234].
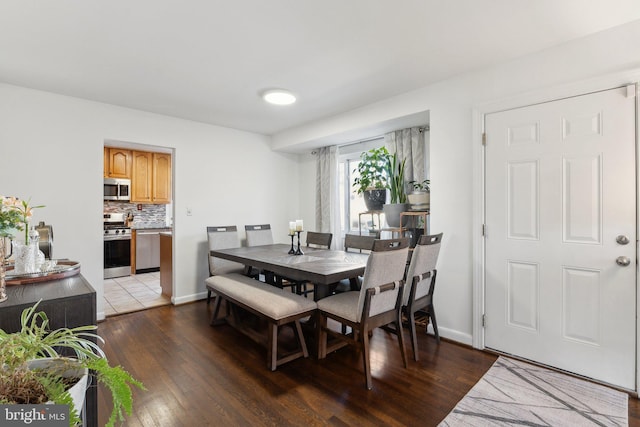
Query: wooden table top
[318,266]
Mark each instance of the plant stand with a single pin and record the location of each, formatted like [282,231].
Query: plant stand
[373,214]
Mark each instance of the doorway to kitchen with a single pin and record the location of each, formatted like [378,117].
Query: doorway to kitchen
[140,216]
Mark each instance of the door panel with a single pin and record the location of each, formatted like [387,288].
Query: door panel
[560,186]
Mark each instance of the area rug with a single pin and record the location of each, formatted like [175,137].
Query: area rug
[514,393]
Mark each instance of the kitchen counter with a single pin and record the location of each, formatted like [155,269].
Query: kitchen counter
[145,248]
[166,263]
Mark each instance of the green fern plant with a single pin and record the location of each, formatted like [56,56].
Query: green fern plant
[34,341]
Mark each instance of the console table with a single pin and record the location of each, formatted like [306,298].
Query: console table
[68,302]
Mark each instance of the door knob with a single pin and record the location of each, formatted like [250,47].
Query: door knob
[622,240]
[623,261]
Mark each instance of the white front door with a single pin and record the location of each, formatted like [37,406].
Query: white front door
[560,189]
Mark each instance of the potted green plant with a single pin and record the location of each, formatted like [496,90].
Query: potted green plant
[372,177]
[396,185]
[33,370]
[419,197]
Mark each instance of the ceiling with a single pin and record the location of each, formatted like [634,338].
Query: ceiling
[208,60]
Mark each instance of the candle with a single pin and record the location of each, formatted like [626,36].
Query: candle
[292,228]
[298,225]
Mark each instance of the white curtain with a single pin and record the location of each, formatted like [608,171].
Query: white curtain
[410,145]
[328,195]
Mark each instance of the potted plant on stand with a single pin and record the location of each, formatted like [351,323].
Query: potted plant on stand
[419,198]
[396,185]
[372,177]
[33,371]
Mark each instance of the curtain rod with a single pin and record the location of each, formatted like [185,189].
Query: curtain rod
[420,129]
[362,141]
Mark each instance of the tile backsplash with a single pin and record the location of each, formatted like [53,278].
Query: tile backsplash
[150,215]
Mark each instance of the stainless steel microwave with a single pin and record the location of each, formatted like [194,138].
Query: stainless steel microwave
[117,189]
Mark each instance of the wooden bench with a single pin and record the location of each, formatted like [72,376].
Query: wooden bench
[277,306]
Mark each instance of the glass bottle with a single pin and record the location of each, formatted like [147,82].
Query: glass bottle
[38,255]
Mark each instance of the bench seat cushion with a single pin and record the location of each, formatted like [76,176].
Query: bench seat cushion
[272,302]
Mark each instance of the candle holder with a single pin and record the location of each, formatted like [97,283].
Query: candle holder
[292,251]
[298,251]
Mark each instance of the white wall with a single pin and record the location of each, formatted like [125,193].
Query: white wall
[51,150]
[451,104]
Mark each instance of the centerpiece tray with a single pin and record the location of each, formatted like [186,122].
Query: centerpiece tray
[63,268]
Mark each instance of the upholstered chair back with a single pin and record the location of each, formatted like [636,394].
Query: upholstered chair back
[259,235]
[386,264]
[222,237]
[423,260]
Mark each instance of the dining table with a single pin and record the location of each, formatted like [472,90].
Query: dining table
[324,268]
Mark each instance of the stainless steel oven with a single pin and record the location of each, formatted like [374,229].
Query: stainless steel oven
[117,246]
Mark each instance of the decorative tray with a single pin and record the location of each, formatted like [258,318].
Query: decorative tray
[63,268]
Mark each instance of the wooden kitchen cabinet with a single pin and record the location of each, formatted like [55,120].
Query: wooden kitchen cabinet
[105,157]
[118,163]
[151,181]
[161,192]
[142,177]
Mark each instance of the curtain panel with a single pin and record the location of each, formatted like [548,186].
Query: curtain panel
[410,145]
[328,195]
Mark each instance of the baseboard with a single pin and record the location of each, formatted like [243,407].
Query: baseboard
[189,298]
[453,335]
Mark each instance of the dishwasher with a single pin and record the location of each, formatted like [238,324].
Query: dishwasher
[147,251]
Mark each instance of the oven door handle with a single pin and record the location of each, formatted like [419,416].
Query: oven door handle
[112,238]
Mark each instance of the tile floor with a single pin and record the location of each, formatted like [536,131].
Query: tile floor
[133,293]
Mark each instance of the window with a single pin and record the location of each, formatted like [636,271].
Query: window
[351,204]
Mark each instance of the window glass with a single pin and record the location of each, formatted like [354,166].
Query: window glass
[352,204]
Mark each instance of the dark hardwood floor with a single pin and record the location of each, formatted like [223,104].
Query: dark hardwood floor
[198,375]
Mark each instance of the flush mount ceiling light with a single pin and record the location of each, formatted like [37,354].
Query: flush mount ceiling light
[278,97]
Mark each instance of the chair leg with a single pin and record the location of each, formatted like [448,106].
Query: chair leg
[432,315]
[412,331]
[401,339]
[208,296]
[365,359]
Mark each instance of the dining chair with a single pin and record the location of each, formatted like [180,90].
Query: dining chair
[259,235]
[319,240]
[377,304]
[360,243]
[222,237]
[421,283]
